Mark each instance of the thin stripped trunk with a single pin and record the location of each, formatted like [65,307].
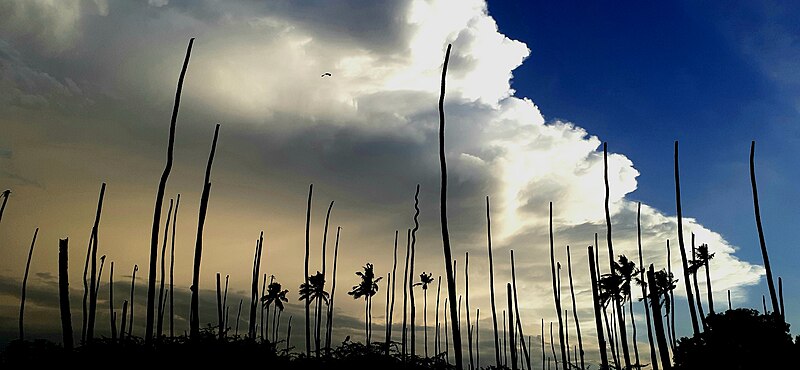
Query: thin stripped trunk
[686,278]
[251,324]
[761,241]
[491,284]
[324,258]
[477,339]
[697,290]
[404,348]
[391,307]
[124,321]
[436,342]
[601,341]
[611,339]
[220,317]
[466,303]
[5,195]
[511,336]
[552,345]
[172,271]
[780,295]
[544,352]
[424,319]
[635,338]
[448,256]
[63,293]
[663,348]
[225,307]
[566,335]
[505,340]
[198,249]
[308,298]
[516,309]
[111,313]
[160,321]
[711,297]
[653,358]
[574,308]
[93,278]
[386,315]
[557,294]
[238,315]
[162,184]
[24,286]
[730,307]
[333,293]
[411,274]
[133,286]
[623,335]
[263,307]
[289,333]
[446,337]
[671,320]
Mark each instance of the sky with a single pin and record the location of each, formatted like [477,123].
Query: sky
[533,90]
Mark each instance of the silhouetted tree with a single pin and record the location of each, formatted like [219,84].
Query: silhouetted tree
[780,292]
[251,325]
[161,297]
[511,336]
[333,293]
[703,258]
[198,249]
[111,313]
[670,307]
[172,270]
[574,309]
[367,288]
[220,317]
[162,184]
[469,323]
[238,315]
[424,280]
[277,295]
[93,279]
[656,291]
[491,284]
[315,290]
[684,260]
[641,280]
[133,286]
[694,267]
[318,313]
[404,333]
[24,286]
[124,321]
[411,274]
[63,292]
[596,303]
[451,283]
[764,254]
[557,294]
[391,308]
[5,195]
[306,275]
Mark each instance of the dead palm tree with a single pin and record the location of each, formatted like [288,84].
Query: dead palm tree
[655,301]
[405,295]
[306,275]
[63,293]
[333,293]
[24,286]
[448,256]
[670,307]
[391,308]
[94,278]
[424,281]
[516,310]
[162,184]
[133,286]
[557,294]
[703,257]
[160,321]
[198,249]
[5,195]
[511,336]
[694,267]
[367,288]
[574,309]
[436,340]
[770,283]
[318,313]
[251,326]
[315,290]
[684,260]
[411,274]
[111,313]
[469,323]
[171,271]
[597,320]
[277,295]
[491,284]
[643,284]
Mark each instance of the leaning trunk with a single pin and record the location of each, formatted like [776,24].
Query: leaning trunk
[411,274]
[63,293]
[574,308]
[160,320]
[466,303]
[601,341]
[686,277]
[308,298]
[556,294]
[333,292]
[111,313]
[516,310]
[697,289]
[761,241]
[24,286]
[324,257]
[405,296]
[663,349]
[251,324]
[93,279]
[511,337]
[491,284]
[391,307]
[653,357]
[133,286]
[172,271]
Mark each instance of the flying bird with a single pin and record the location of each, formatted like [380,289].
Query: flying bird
[326,74]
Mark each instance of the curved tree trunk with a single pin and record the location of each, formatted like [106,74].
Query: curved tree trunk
[160,320]
[653,358]
[697,290]
[112,315]
[391,307]
[491,284]
[511,336]
[94,279]
[773,297]
[411,274]
[436,340]
[663,348]
[324,258]
[5,195]
[404,346]
[162,184]
[557,295]
[574,309]
[686,277]
[133,286]
[601,341]
[24,286]
[251,323]
[333,293]
[308,299]
[466,303]
[171,272]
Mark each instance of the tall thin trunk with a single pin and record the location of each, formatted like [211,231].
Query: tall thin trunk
[764,303]
[93,279]
[566,336]
[686,279]
[391,308]
[386,315]
[198,249]
[411,274]
[466,303]
[85,309]
[238,315]
[635,338]
[671,320]
[5,195]
[505,340]
[552,345]
[653,358]
[251,324]
[611,338]
[574,308]
[133,286]
[111,313]
[220,319]
[730,307]
[477,339]
[263,307]
[446,337]
[308,298]
[697,290]
[425,320]
[162,184]
[404,346]
[614,324]
[172,271]
[324,257]
[601,341]
[623,335]
[160,321]
[24,286]
[711,296]
[225,307]
[491,284]
[63,293]
[436,339]
[544,352]
[289,333]
[663,348]
[761,241]
[511,337]
[448,256]
[124,321]
[556,293]
[516,309]
[333,293]
[780,294]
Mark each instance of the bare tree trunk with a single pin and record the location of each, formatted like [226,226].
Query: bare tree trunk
[466,303]
[411,274]
[574,308]
[251,324]
[446,337]
[5,195]
[697,290]
[198,251]
[653,358]
[308,299]
[225,307]
[404,348]
[124,321]
[686,279]
[220,319]
[386,315]
[93,279]
[663,348]
[333,292]
[324,257]
[391,308]
[544,353]
[730,307]
[63,293]
[477,339]
[511,336]
[24,286]
[160,320]
[133,286]
[448,256]
[601,341]
[491,284]
[780,295]
[238,315]
[553,346]
[162,184]
[635,338]
[85,311]
[761,241]
[516,310]
[263,307]
[111,313]
[505,340]
[671,320]
[172,270]
[436,339]
[611,338]
[623,335]
[289,334]
[556,294]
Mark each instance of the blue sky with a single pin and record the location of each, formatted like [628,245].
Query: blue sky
[642,74]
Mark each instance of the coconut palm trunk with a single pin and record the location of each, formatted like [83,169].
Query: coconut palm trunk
[160,320]
[516,310]
[491,284]
[698,301]
[780,294]
[391,307]
[220,318]
[601,341]
[308,300]
[466,303]
[172,271]
[124,321]
[653,357]
[436,339]
[686,277]
[198,249]
[238,315]
[623,335]
[111,313]
[557,294]
[333,293]
[404,346]
[671,317]
[133,287]
[574,310]
[511,336]
[63,293]
[5,195]
[94,279]
[324,258]
[663,348]
[162,184]
[251,324]
[24,288]
[773,297]
[448,256]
